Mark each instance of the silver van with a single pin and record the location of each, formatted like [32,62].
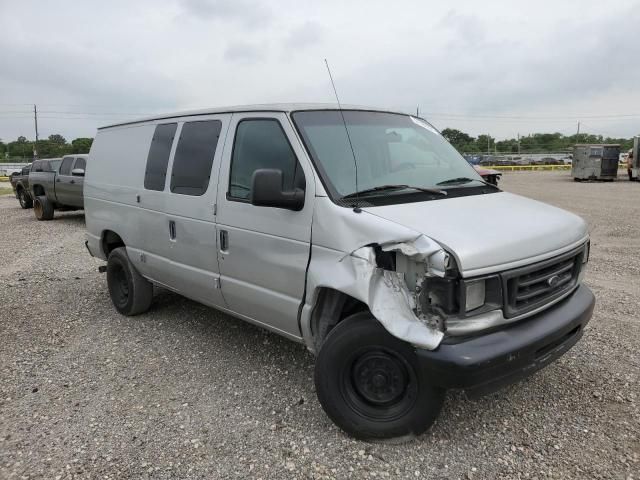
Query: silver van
[359,232]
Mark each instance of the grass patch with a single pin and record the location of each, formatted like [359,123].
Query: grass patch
[5,190]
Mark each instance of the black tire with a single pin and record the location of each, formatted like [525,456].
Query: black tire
[370,384]
[130,292]
[25,199]
[42,208]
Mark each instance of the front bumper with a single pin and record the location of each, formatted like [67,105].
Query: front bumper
[485,363]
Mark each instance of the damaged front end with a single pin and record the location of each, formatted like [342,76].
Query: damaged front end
[415,291]
[409,282]
[409,287]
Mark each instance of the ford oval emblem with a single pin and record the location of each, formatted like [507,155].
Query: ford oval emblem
[553,281]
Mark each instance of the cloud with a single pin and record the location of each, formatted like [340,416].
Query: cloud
[308,34]
[246,12]
[244,52]
[464,64]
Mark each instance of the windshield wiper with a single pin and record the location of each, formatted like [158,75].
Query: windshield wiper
[461,180]
[383,188]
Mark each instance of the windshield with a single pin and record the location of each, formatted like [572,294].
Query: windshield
[390,150]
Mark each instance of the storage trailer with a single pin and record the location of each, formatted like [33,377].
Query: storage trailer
[595,162]
[635,163]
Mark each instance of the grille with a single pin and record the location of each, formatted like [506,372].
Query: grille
[535,285]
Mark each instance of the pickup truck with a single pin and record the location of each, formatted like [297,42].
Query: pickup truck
[20,184]
[57,185]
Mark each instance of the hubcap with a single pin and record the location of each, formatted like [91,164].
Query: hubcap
[379,378]
[378,383]
[121,286]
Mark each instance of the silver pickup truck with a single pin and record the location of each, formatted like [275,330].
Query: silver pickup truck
[56,184]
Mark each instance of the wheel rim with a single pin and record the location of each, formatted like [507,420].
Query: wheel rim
[379,384]
[120,286]
[21,198]
[37,208]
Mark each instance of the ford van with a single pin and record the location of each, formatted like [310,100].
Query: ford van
[359,232]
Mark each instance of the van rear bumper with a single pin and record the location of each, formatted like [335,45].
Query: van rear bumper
[483,364]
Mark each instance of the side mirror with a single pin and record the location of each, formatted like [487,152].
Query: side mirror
[266,191]
[77,172]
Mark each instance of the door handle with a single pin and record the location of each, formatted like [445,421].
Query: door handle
[72,181]
[57,179]
[224,240]
[172,229]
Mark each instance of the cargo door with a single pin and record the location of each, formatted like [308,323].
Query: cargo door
[190,211]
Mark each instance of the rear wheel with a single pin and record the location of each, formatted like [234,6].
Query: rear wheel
[25,199]
[130,292]
[42,208]
[370,384]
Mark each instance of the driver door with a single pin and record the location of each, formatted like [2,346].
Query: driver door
[263,251]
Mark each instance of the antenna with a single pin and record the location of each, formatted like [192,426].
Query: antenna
[344,122]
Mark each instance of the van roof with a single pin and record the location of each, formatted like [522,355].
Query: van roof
[265,107]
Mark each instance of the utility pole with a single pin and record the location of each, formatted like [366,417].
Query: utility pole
[417,110]
[578,133]
[35,119]
[518,143]
[488,144]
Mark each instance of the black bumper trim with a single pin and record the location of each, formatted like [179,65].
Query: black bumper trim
[484,364]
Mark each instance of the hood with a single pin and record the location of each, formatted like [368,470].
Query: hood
[491,232]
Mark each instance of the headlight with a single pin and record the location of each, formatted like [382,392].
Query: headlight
[480,295]
[474,295]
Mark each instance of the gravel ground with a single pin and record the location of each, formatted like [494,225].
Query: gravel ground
[186,392]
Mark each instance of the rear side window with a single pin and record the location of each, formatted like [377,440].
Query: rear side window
[158,158]
[65,168]
[37,166]
[194,157]
[80,163]
[261,143]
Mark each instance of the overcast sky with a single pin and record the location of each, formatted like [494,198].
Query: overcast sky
[503,67]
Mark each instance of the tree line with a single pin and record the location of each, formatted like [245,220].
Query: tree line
[54,146]
[533,143]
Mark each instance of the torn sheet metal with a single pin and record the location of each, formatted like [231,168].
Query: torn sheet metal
[384,291]
[423,249]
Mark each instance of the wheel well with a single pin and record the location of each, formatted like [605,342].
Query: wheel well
[332,306]
[38,190]
[110,241]
[19,188]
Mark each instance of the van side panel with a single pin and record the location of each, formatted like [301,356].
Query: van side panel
[112,186]
[170,238]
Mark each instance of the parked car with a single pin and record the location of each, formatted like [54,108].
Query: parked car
[20,184]
[355,232]
[488,174]
[57,184]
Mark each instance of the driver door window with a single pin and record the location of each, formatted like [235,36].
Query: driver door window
[261,143]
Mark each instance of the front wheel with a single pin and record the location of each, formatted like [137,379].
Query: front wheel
[370,384]
[130,292]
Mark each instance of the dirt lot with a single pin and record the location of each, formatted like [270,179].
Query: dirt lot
[186,392]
